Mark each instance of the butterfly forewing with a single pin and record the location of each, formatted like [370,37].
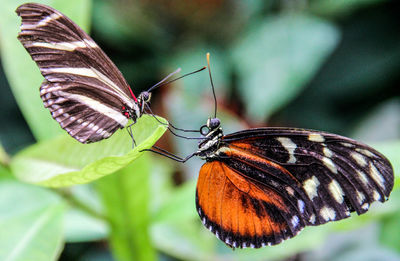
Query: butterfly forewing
[306,177]
[83,90]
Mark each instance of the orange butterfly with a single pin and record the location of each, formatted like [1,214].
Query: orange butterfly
[261,186]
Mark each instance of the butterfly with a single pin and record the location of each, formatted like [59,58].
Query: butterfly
[261,186]
[83,89]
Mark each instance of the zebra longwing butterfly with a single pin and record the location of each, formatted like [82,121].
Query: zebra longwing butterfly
[261,186]
[84,91]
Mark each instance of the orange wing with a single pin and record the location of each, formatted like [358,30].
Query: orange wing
[243,212]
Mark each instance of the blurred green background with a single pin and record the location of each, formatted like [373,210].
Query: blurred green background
[331,65]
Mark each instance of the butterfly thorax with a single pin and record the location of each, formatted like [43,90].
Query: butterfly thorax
[212,139]
[138,109]
[130,113]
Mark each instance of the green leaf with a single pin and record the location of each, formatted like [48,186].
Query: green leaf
[81,227]
[31,221]
[4,159]
[390,232]
[65,162]
[277,57]
[180,205]
[126,197]
[5,173]
[84,220]
[22,73]
[185,239]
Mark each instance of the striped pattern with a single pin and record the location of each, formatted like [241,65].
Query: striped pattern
[83,89]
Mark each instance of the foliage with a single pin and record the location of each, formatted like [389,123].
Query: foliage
[308,64]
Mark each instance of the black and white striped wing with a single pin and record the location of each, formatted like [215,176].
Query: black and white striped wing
[83,89]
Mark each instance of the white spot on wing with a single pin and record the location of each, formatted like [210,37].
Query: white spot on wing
[376,195]
[366,152]
[310,186]
[316,137]
[329,164]
[362,177]
[300,204]
[376,175]
[312,219]
[336,191]
[290,146]
[295,221]
[360,159]
[348,145]
[327,213]
[290,191]
[327,152]
[360,197]
[365,206]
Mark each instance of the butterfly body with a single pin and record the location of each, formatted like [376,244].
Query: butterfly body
[261,186]
[83,89]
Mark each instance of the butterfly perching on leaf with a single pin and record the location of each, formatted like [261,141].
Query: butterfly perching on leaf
[261,186]
[84,91]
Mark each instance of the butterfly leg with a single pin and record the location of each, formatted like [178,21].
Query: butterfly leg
[169,155]
[129,130]
[169,123]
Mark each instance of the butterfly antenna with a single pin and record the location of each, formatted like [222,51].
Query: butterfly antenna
[162,82]
[212,85]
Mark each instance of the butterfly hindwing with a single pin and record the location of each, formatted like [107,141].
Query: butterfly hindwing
[77,72]
[242,212]
[314,177]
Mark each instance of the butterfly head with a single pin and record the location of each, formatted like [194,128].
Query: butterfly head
[143,99]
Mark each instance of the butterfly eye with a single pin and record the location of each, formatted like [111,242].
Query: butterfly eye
[147,98]
[204,130]
[213,123]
